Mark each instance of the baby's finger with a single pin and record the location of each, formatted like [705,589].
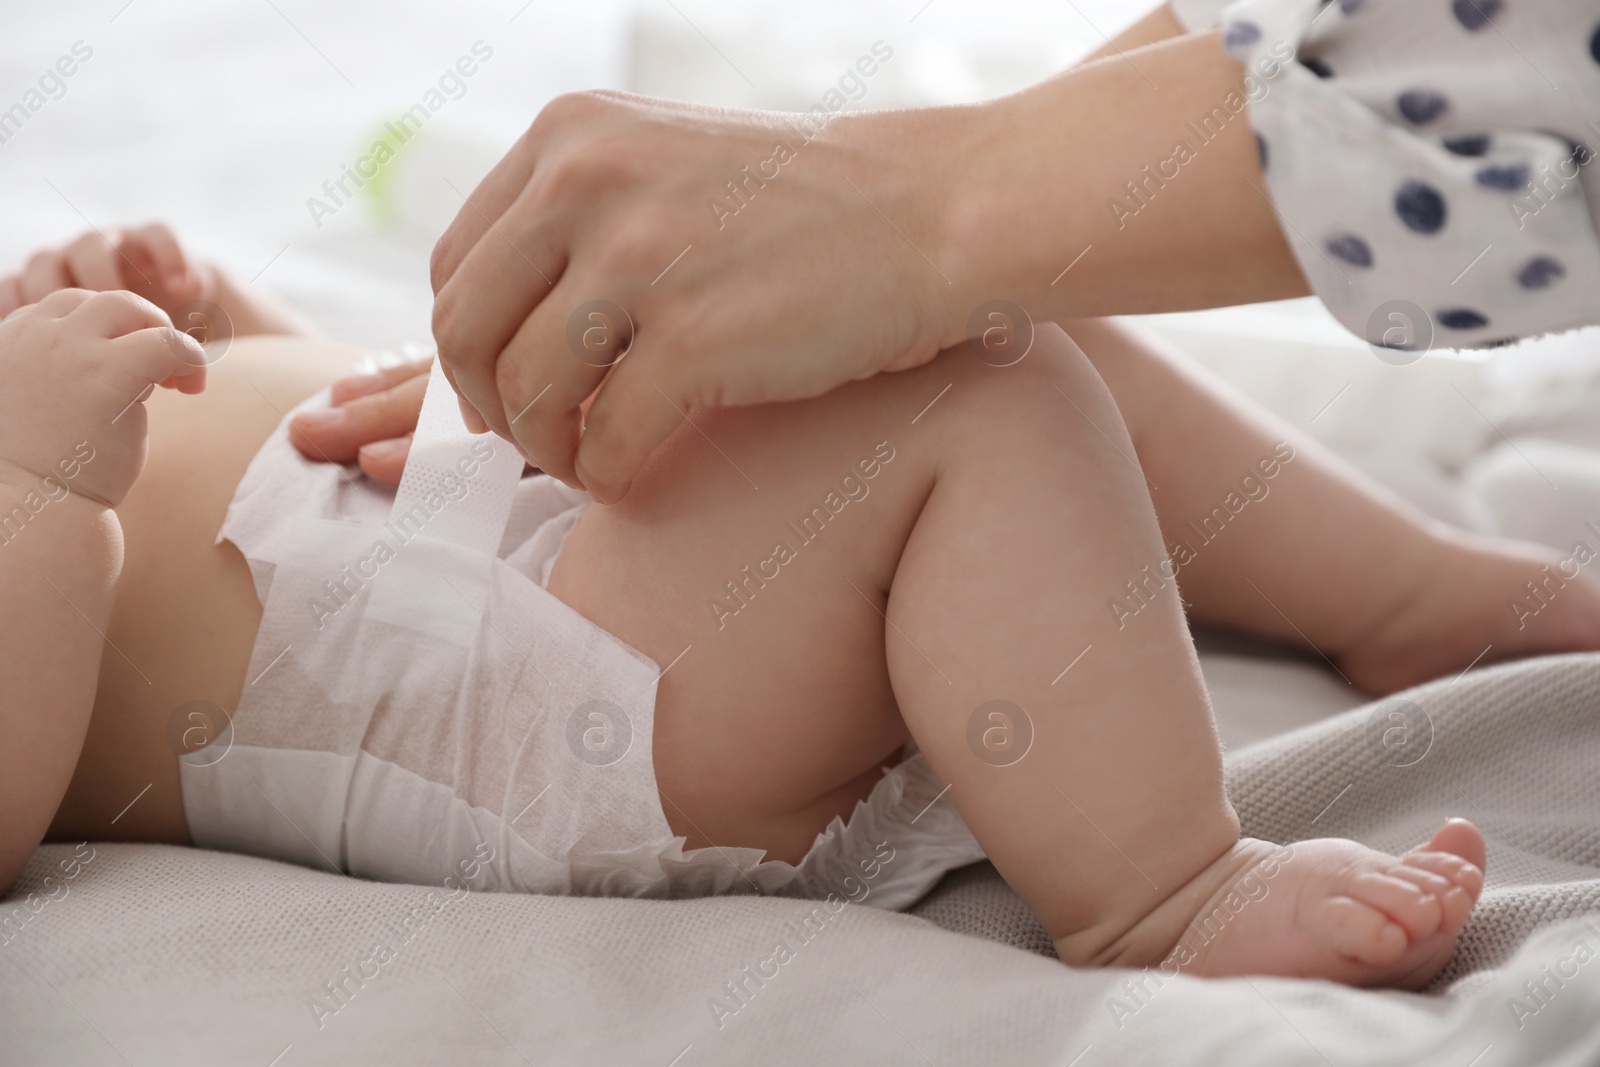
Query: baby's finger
[161,248]
[10,294]
[365,384]
[91,261]
[119,312]
[164,356]
[63,302]
[336,434]
[188,383]
[45,273]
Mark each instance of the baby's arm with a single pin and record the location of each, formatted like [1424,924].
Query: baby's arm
[72,440]
[58,573]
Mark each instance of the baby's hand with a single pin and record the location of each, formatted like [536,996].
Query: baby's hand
[73,370]
[147,260]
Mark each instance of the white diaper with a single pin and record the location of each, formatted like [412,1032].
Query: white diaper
[419,707]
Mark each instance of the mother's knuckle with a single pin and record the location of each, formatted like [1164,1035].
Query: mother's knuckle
[569,107]
[575,171]
[507,374]
[632,248]
[440,262]
[446,325]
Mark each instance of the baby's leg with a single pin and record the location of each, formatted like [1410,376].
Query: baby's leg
[1002,513]
[1318,554]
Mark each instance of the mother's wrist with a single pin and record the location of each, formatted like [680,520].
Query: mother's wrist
[990,246]
[910,167]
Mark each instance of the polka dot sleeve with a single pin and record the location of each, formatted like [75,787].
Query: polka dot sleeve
[1430,160]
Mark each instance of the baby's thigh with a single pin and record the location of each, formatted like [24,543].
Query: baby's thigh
[751,560]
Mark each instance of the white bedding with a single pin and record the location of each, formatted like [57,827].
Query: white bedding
[151,954]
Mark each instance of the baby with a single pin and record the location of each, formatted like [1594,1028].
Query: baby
[927,617]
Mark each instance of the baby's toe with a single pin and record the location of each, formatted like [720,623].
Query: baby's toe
[1416,910]
[1460,894]
[1462,874]
[1428,881]
[1461,839]
[1357,931]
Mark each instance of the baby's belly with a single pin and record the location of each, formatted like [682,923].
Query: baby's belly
[186,612]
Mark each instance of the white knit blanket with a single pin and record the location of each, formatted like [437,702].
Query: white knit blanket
[154,955]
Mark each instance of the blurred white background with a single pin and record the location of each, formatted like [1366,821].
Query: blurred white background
[225,119]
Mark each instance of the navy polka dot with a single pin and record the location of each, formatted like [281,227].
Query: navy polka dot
[1241,33]
[1261,150]
[1351,249]
[1498,342]
[1509,177]
[1475,145]
[1317,67]
[1349,6]
[1422,105]
[1420,206]
[1540,272]
[1594,45]
[1461,319]
[1577,151]
[1475,14]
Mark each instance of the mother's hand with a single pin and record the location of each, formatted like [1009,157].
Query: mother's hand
[733,257]
[371,421]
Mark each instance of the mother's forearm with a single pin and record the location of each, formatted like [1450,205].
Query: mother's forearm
[1130,184]
[1159,24]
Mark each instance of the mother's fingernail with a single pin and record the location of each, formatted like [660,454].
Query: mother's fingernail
[320,418]
[361,382]
[469,415]
[381,450]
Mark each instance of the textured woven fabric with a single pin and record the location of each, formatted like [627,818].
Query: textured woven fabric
[1515,749]
[147,954]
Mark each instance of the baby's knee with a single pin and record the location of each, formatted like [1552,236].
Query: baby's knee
[1052,394]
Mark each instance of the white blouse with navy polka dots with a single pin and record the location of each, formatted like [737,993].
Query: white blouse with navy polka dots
[1432,155]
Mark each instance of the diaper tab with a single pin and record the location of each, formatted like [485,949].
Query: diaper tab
[449,513]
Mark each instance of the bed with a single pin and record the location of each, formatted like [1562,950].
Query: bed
[151,954]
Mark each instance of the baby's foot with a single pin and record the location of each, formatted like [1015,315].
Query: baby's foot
[1334,909]
[1476,606]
